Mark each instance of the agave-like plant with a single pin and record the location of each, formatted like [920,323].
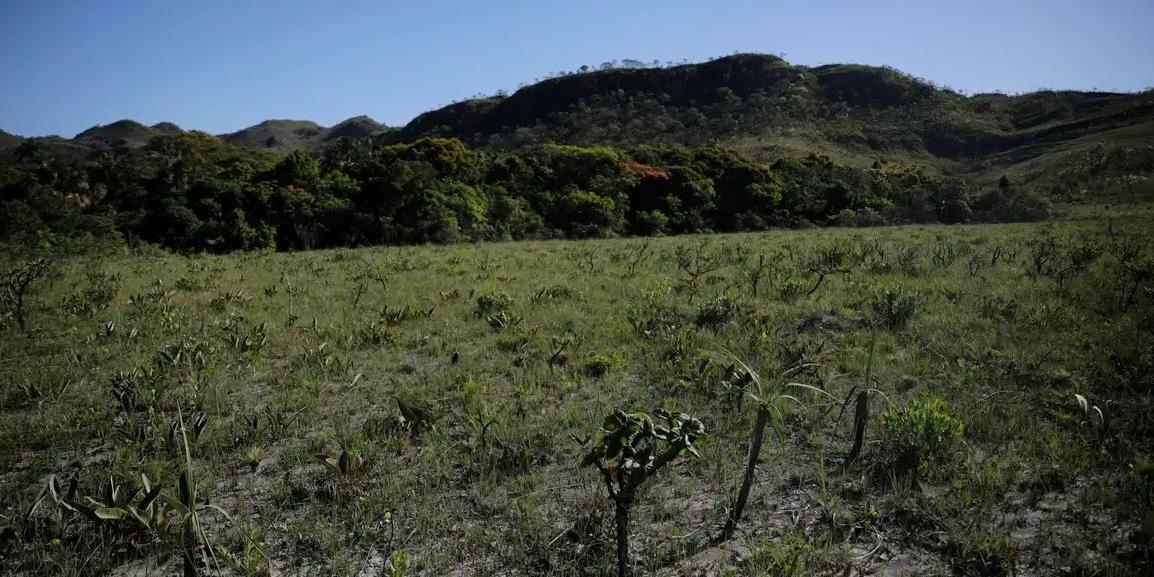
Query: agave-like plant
[1095,417]
[347,465]
[133,510]
[769,398]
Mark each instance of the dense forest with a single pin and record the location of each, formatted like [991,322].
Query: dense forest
[194,192]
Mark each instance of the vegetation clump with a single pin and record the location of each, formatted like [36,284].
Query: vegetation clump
[922,434]
[716,312]
[894,307]
[632,448]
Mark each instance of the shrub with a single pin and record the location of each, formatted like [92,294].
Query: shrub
[599,365]
[858,218]
[893,307]
[716,312]
[925,430]
[1014,205]
[493,303]
[791,289]
[631,449]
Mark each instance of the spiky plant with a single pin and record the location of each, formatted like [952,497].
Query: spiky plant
[769,398]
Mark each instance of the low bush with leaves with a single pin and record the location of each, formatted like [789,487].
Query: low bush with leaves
[894,307]
[489,304]
[921,434]
[716,312]
[600,365]
[632,448]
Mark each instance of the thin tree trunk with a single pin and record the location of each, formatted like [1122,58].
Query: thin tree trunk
[756,438]
[189,562]
[861,415]
[622,518]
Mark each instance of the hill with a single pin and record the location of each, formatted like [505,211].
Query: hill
[278,134]
[764,107]
[123,133]
[768,108]
[288,135]
[9,140]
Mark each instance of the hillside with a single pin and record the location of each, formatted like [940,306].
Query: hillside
[123,133]
[762,106]
[281,135]
[9,140]
[768,108]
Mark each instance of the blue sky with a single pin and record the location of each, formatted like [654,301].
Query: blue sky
[221,65]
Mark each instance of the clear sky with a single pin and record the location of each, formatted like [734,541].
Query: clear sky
[221,65]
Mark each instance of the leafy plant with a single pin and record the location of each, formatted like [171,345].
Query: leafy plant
[140,389]
[632,448]
[1094,417]
[489,304]
[894,306]
[232,297]
[790,289]
[503,320]
[398,564]
[97,296]
[599,365]
[244,338]
[373,335]
[922,433]
[347,465]
[985,551]
[131,511]
[716,312]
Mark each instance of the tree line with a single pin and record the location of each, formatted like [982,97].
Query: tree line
[191,192]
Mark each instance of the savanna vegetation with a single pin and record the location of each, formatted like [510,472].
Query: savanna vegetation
[298,350]
[930,399]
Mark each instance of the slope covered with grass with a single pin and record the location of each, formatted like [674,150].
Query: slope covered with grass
[352,408]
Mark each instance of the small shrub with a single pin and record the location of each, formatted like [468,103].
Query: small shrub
[191,284]
[895,306]
[99,294]
[791,289]
[654,319]
[490,304]
[716,313]
[631,449]
[600,365]
[924,432]
[16,286]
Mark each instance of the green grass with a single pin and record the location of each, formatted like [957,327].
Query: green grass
[463,404]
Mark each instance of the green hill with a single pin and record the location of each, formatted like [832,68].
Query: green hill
[288,135]
[123,133]
[768,108]
[278,134]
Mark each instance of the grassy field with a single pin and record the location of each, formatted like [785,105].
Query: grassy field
[418,411]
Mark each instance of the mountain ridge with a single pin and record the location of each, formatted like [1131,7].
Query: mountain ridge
[758,104]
